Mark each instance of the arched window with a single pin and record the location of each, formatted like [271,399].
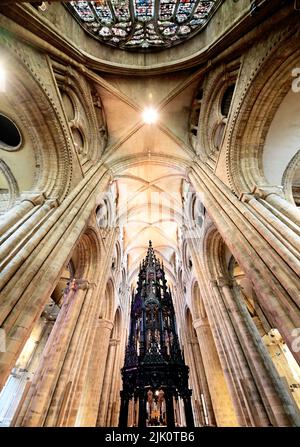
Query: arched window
[226,100]
[224,109]
[195,114]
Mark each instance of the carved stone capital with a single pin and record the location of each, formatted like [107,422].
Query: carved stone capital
[213,283]
[35,197]
[224,282]
[53,202]
[81,284]
[200,322]
[263,191]
[102,323]
[246,197]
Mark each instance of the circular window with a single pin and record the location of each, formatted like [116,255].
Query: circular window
[10,137]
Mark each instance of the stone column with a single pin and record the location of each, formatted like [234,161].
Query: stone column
[10,246]
[270,263]
[230,356]
[218,329]
[279,405]
[273,195]
[114,384]
[35,266]
[94,379]
[195,383]
[221,401]
[14,217]
[286,231]
[204,389]
[108,383]
[35,409]
[64,404]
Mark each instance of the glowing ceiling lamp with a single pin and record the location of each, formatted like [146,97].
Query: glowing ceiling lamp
[150,115]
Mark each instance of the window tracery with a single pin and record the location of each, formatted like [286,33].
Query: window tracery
[143,24]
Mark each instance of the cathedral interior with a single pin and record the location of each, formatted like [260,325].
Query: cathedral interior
[149,213]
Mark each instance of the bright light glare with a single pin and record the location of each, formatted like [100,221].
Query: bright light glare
[150,115]
[2,78]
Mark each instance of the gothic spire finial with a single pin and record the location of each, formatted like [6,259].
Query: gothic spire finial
[153,351]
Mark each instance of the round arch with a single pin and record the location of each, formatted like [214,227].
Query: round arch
[32,106]
[268,84]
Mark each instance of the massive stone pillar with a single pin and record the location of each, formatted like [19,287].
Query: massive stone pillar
[264,244]
[272,200]
[36,406]
[254,405]
[20,212]
[46,238]
[204,388]
[196,384]
[221,401]
[115,398]
[280,407]
[95,379]
[55,395]
[112,373]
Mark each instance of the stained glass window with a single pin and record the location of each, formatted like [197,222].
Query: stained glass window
[143,24]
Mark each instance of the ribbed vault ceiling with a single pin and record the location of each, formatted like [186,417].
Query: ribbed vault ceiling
[148,161]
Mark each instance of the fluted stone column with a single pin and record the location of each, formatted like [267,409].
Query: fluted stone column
[65,400]
[95,377]
[221,401]
[109,378]
[232,357]
[114,384]
[36,262]
[204,386]
[115,392]
[217,325]
[271,387]
[10,246]
[270,261]
[27,204]
[273,195]
[35,409]
[189,356]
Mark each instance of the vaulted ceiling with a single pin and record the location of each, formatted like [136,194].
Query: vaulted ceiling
[148,161]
